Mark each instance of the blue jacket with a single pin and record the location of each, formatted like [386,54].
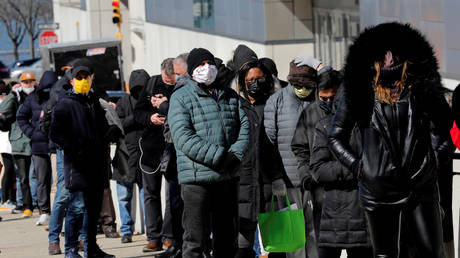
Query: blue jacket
[79,127]
[204,128]
[30,112]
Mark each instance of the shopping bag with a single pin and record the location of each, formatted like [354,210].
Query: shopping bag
[282,231]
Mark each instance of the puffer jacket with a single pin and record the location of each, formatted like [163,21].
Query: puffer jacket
[397,159]
[342,223]
[204,129]
[30,112]
[281,113]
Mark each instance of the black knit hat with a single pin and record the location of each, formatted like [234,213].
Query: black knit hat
[243,55]
[196,57]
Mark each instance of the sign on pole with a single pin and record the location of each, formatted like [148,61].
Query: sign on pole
[48,37]
[48,26]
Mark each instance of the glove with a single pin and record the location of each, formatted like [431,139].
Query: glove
[113,134]
[279,187]
[306,183]
[229,164]
[307,60]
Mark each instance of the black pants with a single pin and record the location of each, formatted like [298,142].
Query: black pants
[423,220]
[23,164]
[213,206]
[42,164]
[356,252]
[152,205]
[93,202]
[9,178]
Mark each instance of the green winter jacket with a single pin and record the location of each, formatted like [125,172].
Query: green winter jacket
[20,143]
[204,130]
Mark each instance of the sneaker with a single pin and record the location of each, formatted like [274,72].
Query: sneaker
[54,249]
[43,220]
[112,234]
[27,213]
[73,253]
[8,205]
[167,243]
[18,210]
[126,239]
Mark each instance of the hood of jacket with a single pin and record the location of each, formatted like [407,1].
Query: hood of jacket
[371,46]
[47,81]
[138,77]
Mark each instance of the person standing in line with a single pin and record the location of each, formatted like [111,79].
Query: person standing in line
[133,132]
[281,114]
[28,120]
[152,144]
[210,132]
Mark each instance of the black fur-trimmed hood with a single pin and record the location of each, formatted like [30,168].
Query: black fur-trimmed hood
[372,45]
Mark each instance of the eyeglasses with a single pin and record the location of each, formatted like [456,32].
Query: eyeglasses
[300,86]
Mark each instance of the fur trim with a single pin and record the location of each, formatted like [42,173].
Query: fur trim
[372,45]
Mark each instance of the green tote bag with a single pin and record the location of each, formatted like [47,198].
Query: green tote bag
[282,231]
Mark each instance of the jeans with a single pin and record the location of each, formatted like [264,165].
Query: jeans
[61,201]
[42,164]
[212,206]
[74,219]
[125,196]
[33,183]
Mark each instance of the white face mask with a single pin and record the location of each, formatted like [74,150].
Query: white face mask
[28,90]
[205,74]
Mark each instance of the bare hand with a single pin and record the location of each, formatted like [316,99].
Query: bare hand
[16,86]
[157,100]
[114,106]
[156,120]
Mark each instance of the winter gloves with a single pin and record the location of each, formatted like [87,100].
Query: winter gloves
[279,187]
[307,60]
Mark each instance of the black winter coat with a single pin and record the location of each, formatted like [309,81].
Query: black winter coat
[397,159]
[260,166]
[79,127]
[152,141]
[342,223]
[30,112]
[133,132]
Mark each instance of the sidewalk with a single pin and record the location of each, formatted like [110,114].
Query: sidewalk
[21,238]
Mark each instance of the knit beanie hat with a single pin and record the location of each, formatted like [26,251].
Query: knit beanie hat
[243,55]
[270,65]
[196,57]
[302,75]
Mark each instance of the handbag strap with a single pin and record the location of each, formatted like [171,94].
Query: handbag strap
[272,209]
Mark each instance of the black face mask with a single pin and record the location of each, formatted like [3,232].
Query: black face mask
[327,105]
[257,89]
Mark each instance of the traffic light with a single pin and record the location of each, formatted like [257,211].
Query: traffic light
[116,16]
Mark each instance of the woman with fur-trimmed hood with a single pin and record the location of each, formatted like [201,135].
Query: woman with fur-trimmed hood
[393,96]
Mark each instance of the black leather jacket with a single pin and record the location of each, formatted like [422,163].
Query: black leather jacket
[397,158]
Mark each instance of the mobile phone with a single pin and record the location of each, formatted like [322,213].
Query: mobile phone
[161,115]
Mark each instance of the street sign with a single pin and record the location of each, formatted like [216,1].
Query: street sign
[48,37]
[48,26]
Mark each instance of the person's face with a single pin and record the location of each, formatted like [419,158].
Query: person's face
[205,62]
[82,75]
[179,69]
[327,95]
[26,84]
[254,74]
[168,79]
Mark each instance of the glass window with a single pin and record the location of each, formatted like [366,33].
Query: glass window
[203,14]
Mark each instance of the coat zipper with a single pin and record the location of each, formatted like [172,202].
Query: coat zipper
[222,122]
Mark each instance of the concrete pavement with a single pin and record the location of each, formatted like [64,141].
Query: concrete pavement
[21,238]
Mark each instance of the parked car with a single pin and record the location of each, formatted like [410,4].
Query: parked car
[4,71]
[23,62]
[36,68]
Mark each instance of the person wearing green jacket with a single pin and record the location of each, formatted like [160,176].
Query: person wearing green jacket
[210,132]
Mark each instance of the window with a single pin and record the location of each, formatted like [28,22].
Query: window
[203,14]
